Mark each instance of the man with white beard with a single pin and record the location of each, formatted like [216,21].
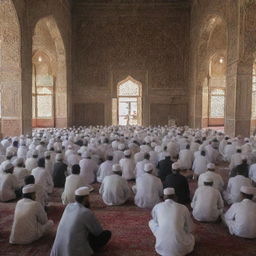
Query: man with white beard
[89,168]
[114,189]
[148,189]
[128,166]
[207,203]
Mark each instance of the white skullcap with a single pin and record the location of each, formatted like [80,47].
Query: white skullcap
[82,191]
[121,146]
[116,168]
[169,191]
[158,149]
[7,166]
[147,139]
[86,154]
[175,166]
[208,179]
[35,153]
[31,188]
[47,153]
[58,157]
[127,152]
[70,147]
[153,144]
[246,139]
[211,166]
[238,148]
[244,157]
[248,190]
[229,141]
[148,167]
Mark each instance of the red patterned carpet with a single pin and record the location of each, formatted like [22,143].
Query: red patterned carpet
[131,235]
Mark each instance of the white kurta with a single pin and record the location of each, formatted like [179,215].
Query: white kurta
[139,157]
[200,164]
[31,163]
[172,227]
[105,169]
[139,168]
[186,159]
[43,178]
[114,190]
[20,173]
[8,185]
[207,204]
[22,152]
[218,182]
[73,182]
[236,159]
[128,168]
[229,150]
[232,194]
[252,172]
[88,170]
[30,222]
[241,219]
[149,189]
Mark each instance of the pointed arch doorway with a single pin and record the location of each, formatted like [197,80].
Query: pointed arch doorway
[128,103]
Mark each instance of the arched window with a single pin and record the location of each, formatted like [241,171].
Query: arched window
[217,103]
[254,92]
[129,102]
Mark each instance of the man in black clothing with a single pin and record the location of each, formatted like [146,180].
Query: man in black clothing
[179,183]
[165,167]
[59,172]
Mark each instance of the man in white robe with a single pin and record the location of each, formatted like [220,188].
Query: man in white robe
[8,183]
[30,220]
[73,182]
[172,226]
[148,188]
[218,182]
[200,164]
[207,203]
[229,150]
[31,162]
[236,159]
[139,168]
[89,168]
[105,168]
[114,188]
[186,158]
[232,193]
[79,232]
[20,172]
[43,177]
[128,166]
[252,171]
[241,216]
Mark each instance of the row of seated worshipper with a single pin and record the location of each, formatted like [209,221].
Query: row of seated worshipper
[150,156]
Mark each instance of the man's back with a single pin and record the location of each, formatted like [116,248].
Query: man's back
[8,184]
[88,170]
[217,179]
[73,230]
[180,184]
[165,168]
[172,226]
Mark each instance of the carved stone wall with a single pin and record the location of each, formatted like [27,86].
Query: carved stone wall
[147,41]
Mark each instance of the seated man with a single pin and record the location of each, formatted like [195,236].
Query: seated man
[172,226]
[179,183]
[114,188]
[207,202]
[148,188]
[30,220]
[79,232]
[165,167]
[218,182]
[8,183]
[73,182]
[241,217]
[20,172]
[59,172]
[105,168]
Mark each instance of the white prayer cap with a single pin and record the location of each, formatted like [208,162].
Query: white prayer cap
[147,139]
[211,166]
[121,146]
[47,153]
[127,152]
[238,148]
[58,157]
[244,157]
[31,188]
[153,144]
[70,147]
[248,190]
[175,166]
[148,167]
[82,191]
[208,179]
[86,154]
[158,149]
[169,191]
[116,168]
[6,166]
[229,141]
[246,139]
[9,153]
[35,153]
